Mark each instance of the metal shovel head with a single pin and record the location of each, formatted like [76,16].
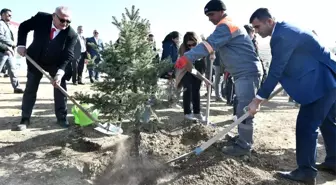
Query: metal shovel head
[180,157]
[108,129]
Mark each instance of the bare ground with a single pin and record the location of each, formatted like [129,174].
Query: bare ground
[46,154]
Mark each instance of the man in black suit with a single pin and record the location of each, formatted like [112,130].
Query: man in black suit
[52,48]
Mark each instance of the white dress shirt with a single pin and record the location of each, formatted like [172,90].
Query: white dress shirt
[82,43]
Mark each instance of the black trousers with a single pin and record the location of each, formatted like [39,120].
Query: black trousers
[229,90]
[29,96]
[77,68]
[192,86]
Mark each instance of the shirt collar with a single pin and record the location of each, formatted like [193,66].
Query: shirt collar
[52,26]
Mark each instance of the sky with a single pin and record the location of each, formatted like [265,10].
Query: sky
[180,15]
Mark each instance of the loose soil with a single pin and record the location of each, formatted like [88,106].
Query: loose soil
[47,154]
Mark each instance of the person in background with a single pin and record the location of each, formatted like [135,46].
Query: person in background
[170,46]
[192,84]
[94,46]
[79,58]
[152,41]
[170,52]
[307,71]
[219,72]
[250,31]
[207,73]
[7,55]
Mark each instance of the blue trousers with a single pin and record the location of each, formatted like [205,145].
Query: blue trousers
[319,114]
[245,89]
[94,73]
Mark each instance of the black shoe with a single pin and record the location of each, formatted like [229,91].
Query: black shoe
[63,123]
[81,83]
[326,168]
[74,83]
[6,75]
[18,91]
[24,123]
[298,176]
[92,80]
[231,138]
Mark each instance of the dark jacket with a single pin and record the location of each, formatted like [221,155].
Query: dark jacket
[51,55]
[169,49]
[95,51]
[302,64]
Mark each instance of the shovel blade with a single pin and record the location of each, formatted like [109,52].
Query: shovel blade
[109,129]
[180,157]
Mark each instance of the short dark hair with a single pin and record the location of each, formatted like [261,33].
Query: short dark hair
[5,10]
[261,14]
[150,35]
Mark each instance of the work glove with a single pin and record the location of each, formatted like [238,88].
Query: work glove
[183,62]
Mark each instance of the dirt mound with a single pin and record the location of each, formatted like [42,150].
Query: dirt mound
[197,133]
[128,168]
[211,167]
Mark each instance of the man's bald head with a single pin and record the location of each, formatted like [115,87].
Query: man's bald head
[61,17]
[63,10]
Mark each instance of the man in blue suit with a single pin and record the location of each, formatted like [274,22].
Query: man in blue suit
[94,47]
[307,71]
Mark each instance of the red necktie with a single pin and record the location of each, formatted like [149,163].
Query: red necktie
[52,33]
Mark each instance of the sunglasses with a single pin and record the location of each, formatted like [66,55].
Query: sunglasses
[63,20]
[191,45]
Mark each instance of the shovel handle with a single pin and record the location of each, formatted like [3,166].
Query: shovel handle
[222,133]
[200,76]
[61,89]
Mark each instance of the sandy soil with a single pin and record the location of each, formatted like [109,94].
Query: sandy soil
[46,154]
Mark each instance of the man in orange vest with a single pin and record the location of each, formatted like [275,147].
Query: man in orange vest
[239,59]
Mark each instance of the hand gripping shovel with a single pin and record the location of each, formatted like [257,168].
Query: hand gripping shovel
[222,133]
[105,128]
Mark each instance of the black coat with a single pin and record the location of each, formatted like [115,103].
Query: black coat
[51,55]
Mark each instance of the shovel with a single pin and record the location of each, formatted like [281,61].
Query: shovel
[222,133]
[198,75]
[212,59]
[105,128]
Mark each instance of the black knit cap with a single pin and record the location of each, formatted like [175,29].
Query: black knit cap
[214,5]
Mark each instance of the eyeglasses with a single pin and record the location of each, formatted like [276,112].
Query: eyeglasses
[63,20]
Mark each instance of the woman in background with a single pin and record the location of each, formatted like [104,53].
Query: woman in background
[170,46]
[192,84]
[170,51]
